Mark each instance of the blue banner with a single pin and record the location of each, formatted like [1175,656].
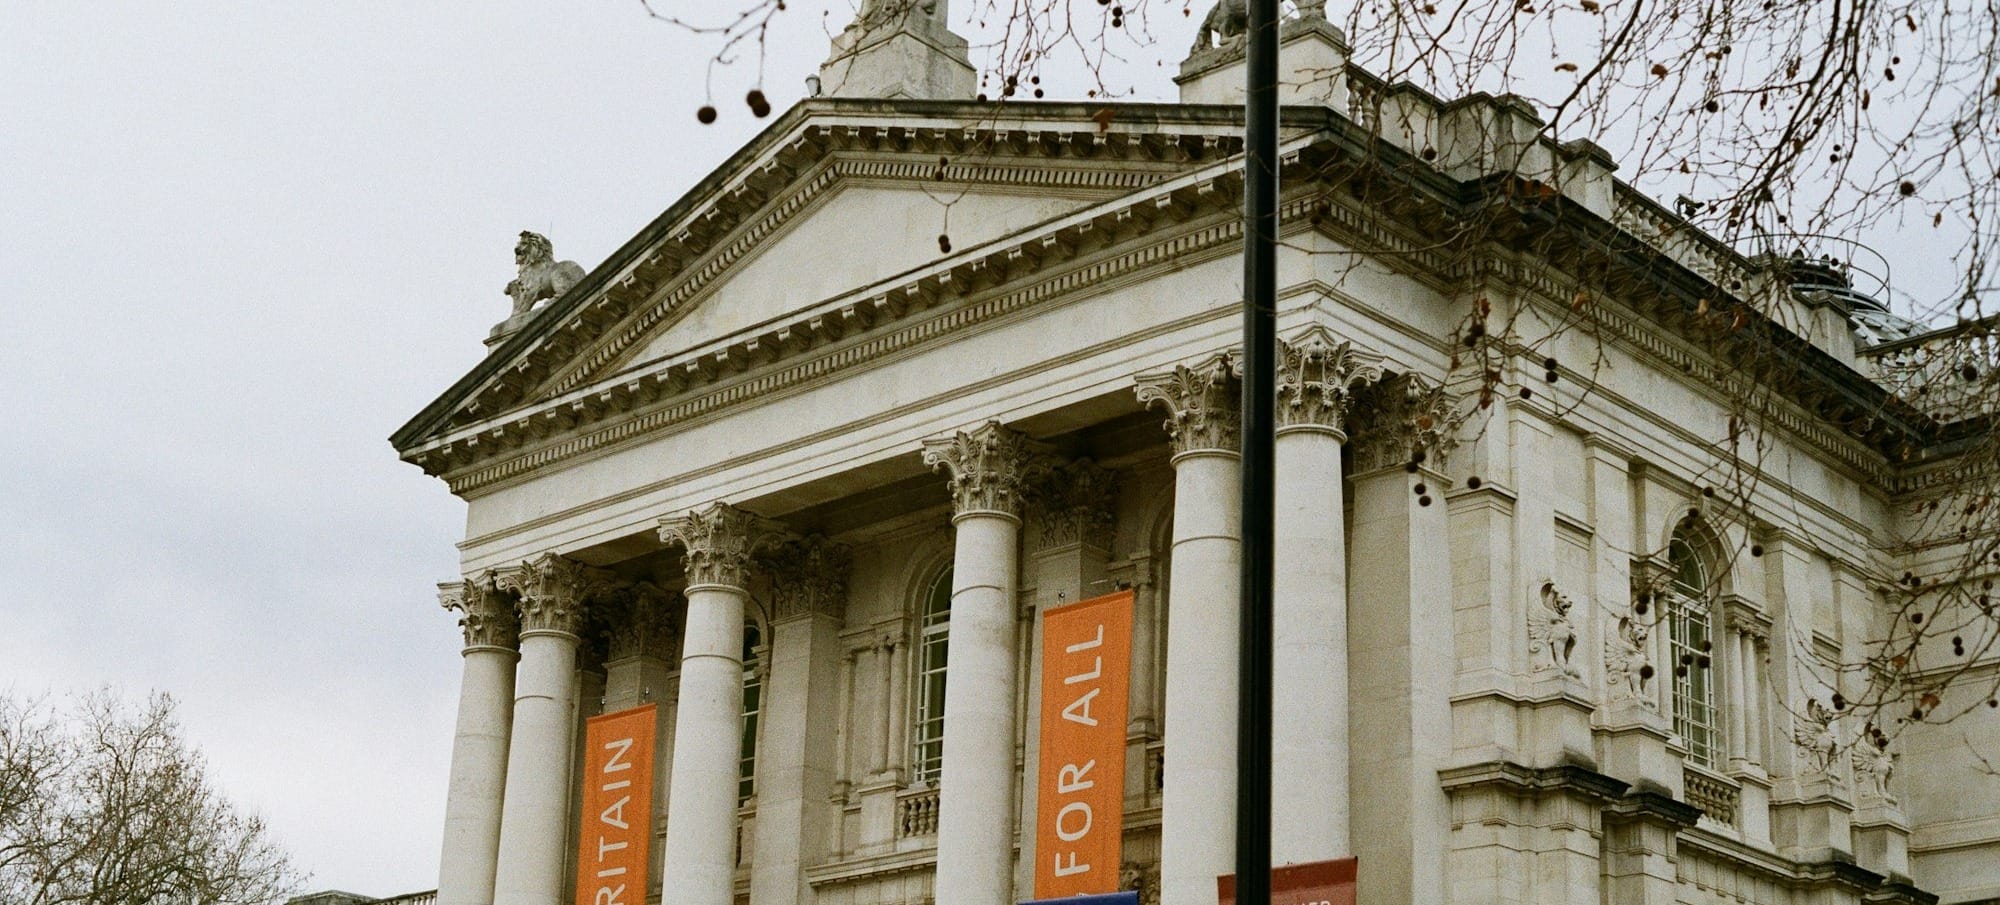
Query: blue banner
[1128,897]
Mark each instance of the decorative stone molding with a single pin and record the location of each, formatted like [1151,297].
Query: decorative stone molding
[719,540]
[1627,668]
[649,628]
[1142,877]
[1817,741]
[1742,617]
[989,468]
[485,614]
[1317,376]
[1872,769]
[1410,420]
[1202,403]
[808,576]
[1551,635]
[1076,502]
[553,592]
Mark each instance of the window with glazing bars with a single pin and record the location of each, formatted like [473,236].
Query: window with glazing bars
[753,705]
[1690,634]
[933,628]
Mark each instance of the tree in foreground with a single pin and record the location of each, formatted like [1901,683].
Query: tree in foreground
[105,804]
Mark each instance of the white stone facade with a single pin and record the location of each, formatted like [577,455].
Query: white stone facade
[783,405]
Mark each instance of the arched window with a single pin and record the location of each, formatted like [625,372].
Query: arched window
[933,627]
[753,706]
[1690,632]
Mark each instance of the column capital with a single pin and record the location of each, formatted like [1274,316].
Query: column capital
[1413,421]
[1317,375]
[719,540]
[1203,411]
[989,467]
[648,627]
[809,576]
[553,592]
[1076,502]
[485,614]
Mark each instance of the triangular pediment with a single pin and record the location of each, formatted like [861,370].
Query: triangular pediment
[836,196]
[863,234]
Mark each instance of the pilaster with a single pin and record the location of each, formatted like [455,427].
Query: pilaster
[797,763]
[1399,599]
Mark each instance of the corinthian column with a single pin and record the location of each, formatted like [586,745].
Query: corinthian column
[1198,803]
[987,468]
[1309,820]
[552,593]
[719,541]
[479,744]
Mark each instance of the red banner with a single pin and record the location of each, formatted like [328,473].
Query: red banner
[617,808]
[1314,883]
[1086,668]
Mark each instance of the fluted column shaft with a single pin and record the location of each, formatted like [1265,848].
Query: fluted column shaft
[1198,803]
[479,744]
[987,468]
[535,816]
[700,862]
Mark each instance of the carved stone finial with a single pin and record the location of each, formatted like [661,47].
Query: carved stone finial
[1412,419]
[1312,9]
[648,628]
[720,539]
[1551,634]
[1076,502]
[989,467]
[485,614]
[1627,668]
[1317,374]
[541,275]
[553,592]
[1224,26]
[1202,403]
[809,576]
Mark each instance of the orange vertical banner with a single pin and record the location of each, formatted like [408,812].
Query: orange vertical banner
[617,835]
[1080,783]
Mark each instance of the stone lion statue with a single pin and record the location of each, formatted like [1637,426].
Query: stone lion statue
[541,275]
[1229,18]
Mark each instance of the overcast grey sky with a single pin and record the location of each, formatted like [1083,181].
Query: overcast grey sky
[241,242]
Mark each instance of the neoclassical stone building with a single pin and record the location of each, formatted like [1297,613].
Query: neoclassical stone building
[805,475]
